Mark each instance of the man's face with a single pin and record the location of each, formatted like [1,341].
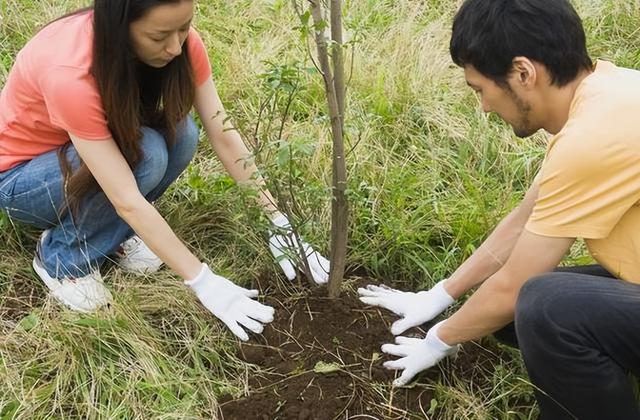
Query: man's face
[157,37]
[503,100]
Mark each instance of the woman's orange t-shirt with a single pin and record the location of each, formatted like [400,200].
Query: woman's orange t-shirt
[50,93]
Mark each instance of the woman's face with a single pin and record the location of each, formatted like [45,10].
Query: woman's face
[157,37]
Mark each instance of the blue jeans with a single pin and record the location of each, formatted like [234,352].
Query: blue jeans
[33,193]
[579,333]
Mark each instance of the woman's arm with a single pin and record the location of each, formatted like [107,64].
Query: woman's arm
[111,171]
[233,153]
[228,144]
[233,305]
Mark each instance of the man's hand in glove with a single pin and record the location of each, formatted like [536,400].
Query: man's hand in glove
[417,354]
[414,308]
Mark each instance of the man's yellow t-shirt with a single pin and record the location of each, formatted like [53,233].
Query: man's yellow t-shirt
[590,180]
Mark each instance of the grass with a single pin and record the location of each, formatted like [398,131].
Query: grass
[430,175]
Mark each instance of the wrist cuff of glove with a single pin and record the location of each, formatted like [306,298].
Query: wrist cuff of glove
[435,341]
[440,295]
[281,221]
[200,280]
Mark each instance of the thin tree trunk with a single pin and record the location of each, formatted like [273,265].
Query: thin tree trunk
[340,206]
[335,98]
[337,55]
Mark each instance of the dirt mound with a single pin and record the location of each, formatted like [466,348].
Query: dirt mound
[323,361]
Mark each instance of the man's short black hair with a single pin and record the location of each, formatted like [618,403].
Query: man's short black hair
[488,34]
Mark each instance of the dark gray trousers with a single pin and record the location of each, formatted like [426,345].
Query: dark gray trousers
[578,329]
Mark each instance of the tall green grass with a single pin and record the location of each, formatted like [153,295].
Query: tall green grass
[430,175]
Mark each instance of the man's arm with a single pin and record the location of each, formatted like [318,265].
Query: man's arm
[495,250]
[492,306]
[420,307]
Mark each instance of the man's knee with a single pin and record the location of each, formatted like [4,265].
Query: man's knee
[548,306]
[542,299]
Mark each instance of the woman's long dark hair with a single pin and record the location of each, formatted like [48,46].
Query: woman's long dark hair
[133,94]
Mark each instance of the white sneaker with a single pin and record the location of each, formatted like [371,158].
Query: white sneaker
[136,257]
[83,294]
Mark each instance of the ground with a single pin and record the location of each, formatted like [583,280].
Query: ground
[321,359]
[429,176]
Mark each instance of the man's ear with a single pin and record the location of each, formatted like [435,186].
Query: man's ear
[524,72]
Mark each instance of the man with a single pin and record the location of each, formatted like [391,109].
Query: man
[579,328]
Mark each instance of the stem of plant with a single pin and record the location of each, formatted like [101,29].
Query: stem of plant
[334,88]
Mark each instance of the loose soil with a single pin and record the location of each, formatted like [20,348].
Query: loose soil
[310,332]
[18,296]
[319,359]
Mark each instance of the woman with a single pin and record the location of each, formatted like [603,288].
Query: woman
[94,127]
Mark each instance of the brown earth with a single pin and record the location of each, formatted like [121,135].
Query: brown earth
[19,295]
[310,329]
[346,336]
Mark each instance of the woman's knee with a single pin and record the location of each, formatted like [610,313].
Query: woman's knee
[187,129]
[155,157]
[187,136]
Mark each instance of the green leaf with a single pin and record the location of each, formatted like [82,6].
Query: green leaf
[323,24]
[29,322]
[93,323]
[324,368]
[195,180]
[304,18]
[284,156]
[432,407]
[9,410]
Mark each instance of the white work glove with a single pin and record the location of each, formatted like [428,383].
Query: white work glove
[414,308]
[284,247]
[231,303]
[417,354]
